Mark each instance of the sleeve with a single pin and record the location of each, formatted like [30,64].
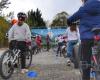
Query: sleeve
[77,16]
[11,34]
[89,8]
[28,34]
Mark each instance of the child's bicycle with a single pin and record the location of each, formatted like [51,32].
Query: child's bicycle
[10,58]
[95,58]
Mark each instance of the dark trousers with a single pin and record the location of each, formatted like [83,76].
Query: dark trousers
[48,46]
[86,52]
[22,46]
[59,47]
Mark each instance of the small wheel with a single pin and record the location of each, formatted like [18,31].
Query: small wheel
[6,68]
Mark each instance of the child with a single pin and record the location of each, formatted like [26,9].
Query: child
[73,37]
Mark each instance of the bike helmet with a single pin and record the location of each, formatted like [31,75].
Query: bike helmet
[21,16]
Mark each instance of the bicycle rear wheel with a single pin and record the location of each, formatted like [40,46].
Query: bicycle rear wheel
[98,67]
[28,58]
[6,68]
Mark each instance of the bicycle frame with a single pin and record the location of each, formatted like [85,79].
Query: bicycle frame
[16,53]
[94,66]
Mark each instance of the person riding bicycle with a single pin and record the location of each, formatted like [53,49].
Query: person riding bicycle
[60,43]
[89,17]
[73,37]
[38,41]
[19,34]
[48,40]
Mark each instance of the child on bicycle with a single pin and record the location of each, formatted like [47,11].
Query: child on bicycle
[73,37]
[19,34]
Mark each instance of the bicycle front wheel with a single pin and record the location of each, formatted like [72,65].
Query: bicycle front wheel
[6,69]
[28,58]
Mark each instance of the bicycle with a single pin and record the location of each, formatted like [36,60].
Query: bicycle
[11,57]
[95,57]
[61,49]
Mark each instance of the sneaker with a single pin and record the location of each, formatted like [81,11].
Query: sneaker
[68,62]
[24,71]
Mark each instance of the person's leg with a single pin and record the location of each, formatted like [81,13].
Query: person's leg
[47,46]
[86,56]
[73,42]
[23,60]
[58,49]
[22,47]
[69,49]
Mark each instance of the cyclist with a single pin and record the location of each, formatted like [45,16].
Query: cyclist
[73,37]
[38,41]
[18,35]
[60,43]
[48,40]
[89,16]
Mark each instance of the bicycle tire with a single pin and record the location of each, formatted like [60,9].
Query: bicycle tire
[28,57]
[98,69]
[76,57]
[4,76]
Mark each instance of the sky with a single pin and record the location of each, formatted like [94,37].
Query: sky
[48,8]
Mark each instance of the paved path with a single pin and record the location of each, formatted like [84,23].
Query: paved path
[49,67]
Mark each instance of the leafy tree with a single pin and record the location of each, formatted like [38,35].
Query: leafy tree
[4,4]
[4,26]
[35,19]
[60,20]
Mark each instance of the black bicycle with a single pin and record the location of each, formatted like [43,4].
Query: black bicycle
[95,57]
[11,57]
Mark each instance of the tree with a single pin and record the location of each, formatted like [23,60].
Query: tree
[60,20]
[35,19]
[4,4]
[4,26]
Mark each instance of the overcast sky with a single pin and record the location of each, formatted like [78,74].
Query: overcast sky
[49,8]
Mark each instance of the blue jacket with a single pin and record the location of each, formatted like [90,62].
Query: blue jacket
[89,16]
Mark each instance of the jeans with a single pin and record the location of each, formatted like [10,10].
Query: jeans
[70,47]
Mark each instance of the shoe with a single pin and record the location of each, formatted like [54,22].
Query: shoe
[68,62]
[24,71]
